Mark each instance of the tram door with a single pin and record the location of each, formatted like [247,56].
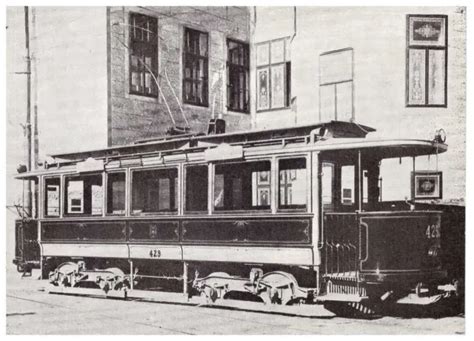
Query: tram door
[339,228]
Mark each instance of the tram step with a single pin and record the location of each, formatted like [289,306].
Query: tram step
[427,300]
[309,310]
[340,297]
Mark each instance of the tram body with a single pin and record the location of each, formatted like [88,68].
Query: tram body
[265,214]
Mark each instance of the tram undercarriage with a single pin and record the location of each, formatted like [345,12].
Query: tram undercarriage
[273,290]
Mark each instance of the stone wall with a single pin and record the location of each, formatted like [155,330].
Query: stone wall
[133,117]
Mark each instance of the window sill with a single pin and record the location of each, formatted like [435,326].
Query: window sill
[237,112]
[146,214]
[193,105]
[273,109]
[144,98]
[256,211]
[426,105]
[196,213]
[292,210]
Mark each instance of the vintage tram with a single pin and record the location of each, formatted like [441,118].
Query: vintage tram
[279,216]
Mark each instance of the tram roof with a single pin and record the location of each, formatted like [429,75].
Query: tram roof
[339,129]
[347,138]
[384,149]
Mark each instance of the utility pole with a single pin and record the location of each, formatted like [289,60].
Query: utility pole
[35,92]
[28,112]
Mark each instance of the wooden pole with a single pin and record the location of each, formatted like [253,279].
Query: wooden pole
[28,110]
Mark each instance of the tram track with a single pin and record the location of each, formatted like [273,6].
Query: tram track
[100,314]
[156,318]
[179,309]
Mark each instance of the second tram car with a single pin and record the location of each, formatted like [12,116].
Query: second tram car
[280,216]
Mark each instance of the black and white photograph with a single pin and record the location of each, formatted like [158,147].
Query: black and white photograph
[237,169]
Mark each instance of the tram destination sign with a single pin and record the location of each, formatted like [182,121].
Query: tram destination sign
[427,185]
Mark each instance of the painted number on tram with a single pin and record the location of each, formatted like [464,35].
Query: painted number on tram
[433,231]
[155,253]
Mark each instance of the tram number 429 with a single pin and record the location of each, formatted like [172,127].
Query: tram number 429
[155,253]
[433,231]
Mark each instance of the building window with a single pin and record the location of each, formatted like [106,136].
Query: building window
[143,68]
[237,76]
[336,85]
[195,67]
[427,60]
[273,75]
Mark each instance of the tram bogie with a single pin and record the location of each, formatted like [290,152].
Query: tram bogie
[281,217]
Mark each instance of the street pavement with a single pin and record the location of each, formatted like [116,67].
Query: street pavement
[31,310]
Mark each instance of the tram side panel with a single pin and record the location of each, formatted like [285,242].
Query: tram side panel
[277,242]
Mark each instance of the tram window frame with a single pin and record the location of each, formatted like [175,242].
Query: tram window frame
[292,207]
[109,192]
[137,212]
[328,205]
[348,195]
[255,209]
[45,196]
[83,206]
[205,191]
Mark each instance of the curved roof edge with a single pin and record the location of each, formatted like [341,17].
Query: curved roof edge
[338,129]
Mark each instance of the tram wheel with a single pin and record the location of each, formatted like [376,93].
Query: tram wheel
[119,275]
[62,272]
[281,289]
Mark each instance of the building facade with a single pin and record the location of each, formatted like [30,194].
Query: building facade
[200,57]
[401,70]
[111,76]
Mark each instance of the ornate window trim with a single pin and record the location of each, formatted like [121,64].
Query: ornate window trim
[273,68]
[427,61]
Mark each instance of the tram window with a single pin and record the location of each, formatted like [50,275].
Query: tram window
[242,186]
[84,195]
[347,185]
[116,193]
[196,188]
[365,186]
[327,183]
[155,191]
[52,197]
[395,179]
[292,183]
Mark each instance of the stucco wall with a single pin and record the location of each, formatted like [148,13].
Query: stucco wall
[134,117]
[70,63]
[378,37]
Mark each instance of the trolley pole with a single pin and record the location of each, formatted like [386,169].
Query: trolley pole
[28,111]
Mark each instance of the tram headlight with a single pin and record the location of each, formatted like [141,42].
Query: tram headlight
[440,136]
